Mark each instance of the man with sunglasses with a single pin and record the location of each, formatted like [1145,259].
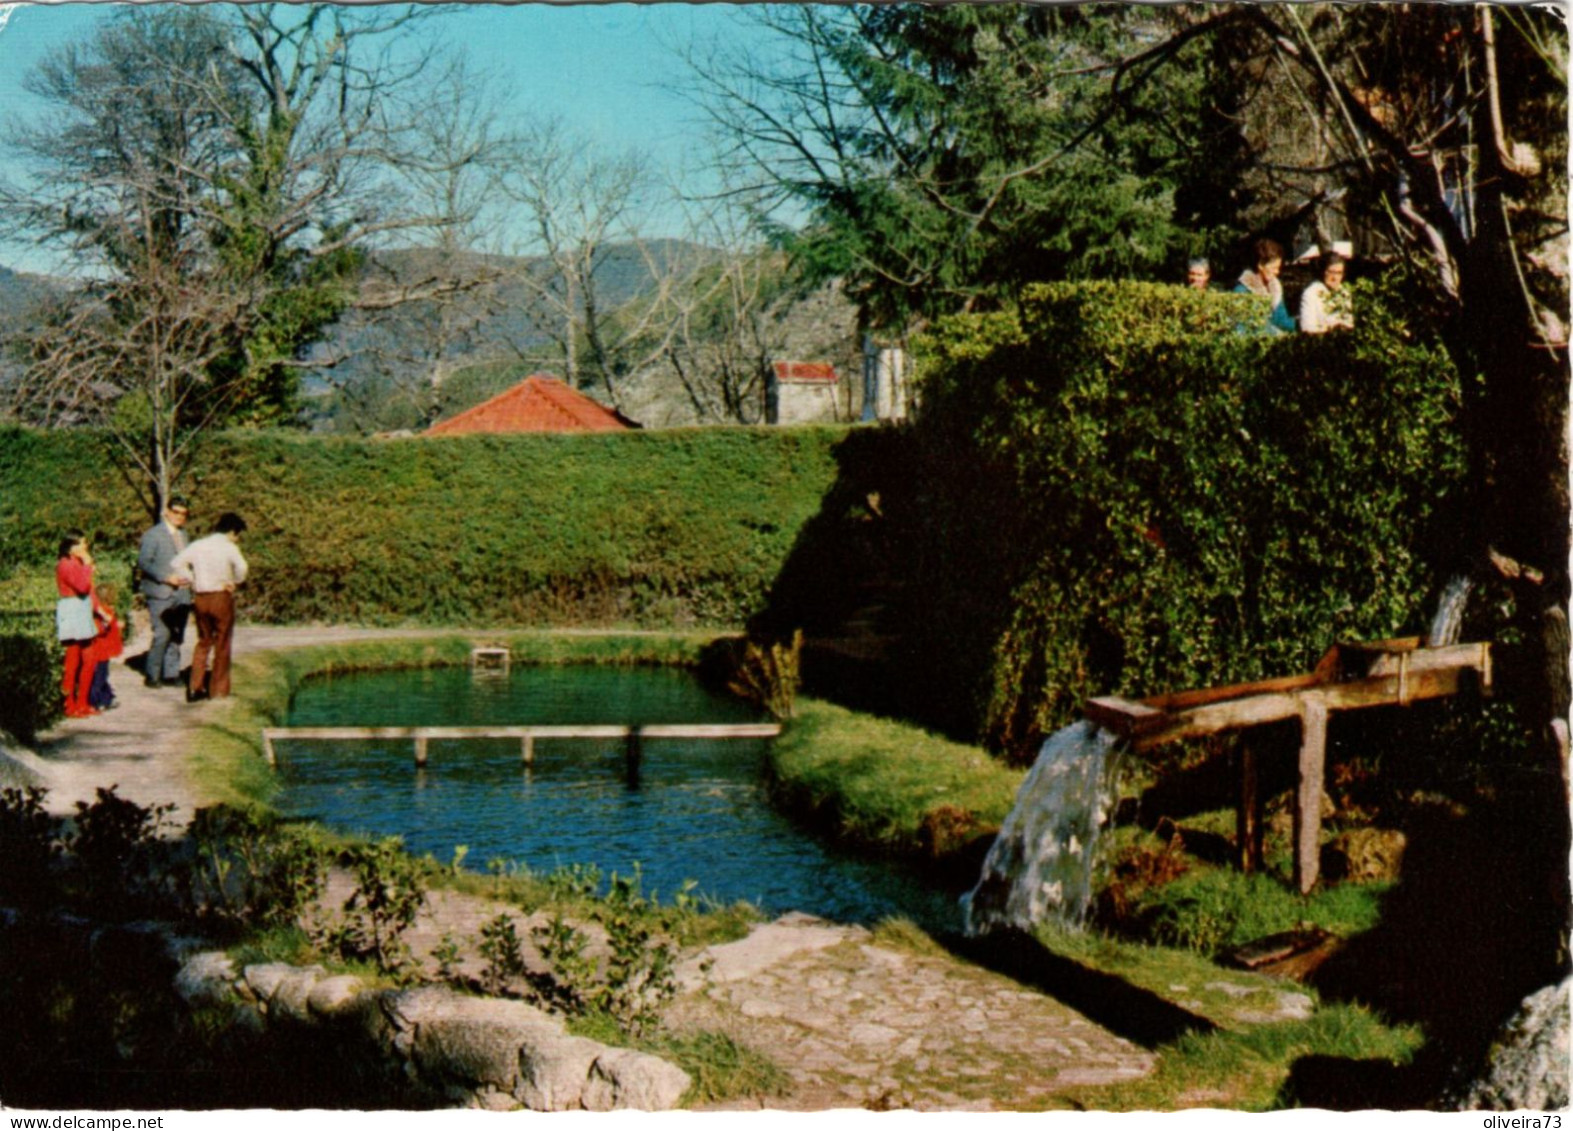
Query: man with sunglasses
[168,594]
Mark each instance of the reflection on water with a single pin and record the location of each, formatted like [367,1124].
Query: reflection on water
[698,809]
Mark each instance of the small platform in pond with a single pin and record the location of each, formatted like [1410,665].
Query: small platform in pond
[490,660]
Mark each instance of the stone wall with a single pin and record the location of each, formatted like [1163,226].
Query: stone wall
[474,1052]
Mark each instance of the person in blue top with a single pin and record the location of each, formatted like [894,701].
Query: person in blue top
[1264,281]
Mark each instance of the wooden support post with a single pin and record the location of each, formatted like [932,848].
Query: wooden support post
[527,748]
[420,749]
[267,749]
[633,755]
[1248,817]
[1308,796]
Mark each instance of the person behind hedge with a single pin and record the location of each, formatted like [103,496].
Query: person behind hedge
[1198,274]
[168,595]
[108,643]
[74,621]
[1325,304]
[1263,280]
[214,567]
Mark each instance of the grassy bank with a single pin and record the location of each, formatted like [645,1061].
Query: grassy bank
[878,783]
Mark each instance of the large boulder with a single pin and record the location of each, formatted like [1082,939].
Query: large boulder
[481,1052]
[1527,1068]
[623,1078]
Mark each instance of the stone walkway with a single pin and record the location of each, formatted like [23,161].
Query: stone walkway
[855,1024]
[852,1023]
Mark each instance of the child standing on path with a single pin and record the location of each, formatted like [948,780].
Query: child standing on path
[106,645]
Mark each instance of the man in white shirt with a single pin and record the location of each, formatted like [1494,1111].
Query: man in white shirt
[214,566]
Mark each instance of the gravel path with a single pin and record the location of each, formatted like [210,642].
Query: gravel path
[852,1023]
[142,744]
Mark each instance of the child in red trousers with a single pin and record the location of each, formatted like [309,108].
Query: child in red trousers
[109,643]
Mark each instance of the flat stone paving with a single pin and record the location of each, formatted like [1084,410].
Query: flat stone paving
[855,1024]
[852,1023]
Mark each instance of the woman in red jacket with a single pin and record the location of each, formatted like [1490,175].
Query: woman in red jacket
[74,621]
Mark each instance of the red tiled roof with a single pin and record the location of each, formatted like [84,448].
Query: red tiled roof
[821,372]
[536,404]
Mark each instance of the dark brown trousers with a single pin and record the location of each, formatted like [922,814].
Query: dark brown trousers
[215,617]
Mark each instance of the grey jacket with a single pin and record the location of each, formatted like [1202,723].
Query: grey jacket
[154,557]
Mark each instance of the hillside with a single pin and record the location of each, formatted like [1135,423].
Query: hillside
[407,365]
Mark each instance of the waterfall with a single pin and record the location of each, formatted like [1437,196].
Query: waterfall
[1449,619]
[1040,865]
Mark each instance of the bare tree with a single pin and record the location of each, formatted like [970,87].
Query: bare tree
[221,180]
[583,209]
[396,357]
[728,326]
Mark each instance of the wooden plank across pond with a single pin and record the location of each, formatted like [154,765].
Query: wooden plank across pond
[1349,677]
[526,735]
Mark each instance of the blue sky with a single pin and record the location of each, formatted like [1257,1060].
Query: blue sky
[599,66]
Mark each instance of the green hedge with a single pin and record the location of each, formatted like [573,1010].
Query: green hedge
[1191,505]
[659,528]
[1113,489]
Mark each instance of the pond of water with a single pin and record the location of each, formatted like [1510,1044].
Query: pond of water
[697,811]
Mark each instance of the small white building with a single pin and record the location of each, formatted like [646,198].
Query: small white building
[801,392]
[885,393]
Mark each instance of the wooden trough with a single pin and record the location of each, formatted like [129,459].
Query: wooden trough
[1349,677]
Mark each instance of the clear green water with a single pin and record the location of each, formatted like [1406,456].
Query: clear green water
[697,811]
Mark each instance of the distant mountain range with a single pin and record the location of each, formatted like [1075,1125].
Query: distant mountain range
[501,319]
[21,293]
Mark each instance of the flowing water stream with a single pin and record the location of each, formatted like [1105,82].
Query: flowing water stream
[1448,621]
[1041,864]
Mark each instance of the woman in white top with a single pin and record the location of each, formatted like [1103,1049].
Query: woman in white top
[1325,305]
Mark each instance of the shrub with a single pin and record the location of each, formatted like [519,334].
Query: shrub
[637,977]
[248,869]
[685,526]
[762,672]
[30,699]
[29,846]
[503,951]
[1110,490]
[118,859]
[390,890]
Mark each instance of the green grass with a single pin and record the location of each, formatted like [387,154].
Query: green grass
[1248,1070]
[1244,1063]
[1210,908]
[721,1068]
[885,784]
[689,922]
